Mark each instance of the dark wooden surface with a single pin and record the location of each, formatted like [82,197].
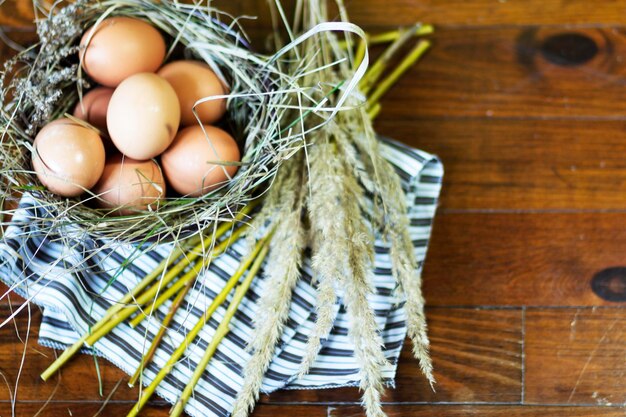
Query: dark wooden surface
[526,276]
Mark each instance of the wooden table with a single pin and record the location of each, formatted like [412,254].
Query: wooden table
[525,102]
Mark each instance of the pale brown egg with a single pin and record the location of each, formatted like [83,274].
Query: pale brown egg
[143,116]
[119,47]
[189,164]
[130,186]
[93,110]
[93,107]
[192,81]
[68,157]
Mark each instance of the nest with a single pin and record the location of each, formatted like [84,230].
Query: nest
[44,82]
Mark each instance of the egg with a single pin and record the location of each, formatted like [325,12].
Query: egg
[192,81]
[93,110]
[119,47]
[143,116]
[68,157]
[130,186]
[189,163]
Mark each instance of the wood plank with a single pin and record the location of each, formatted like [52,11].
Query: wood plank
[576,356]
[20,14]
[535,259]
[486,12]
[18,37]
[522,164]
[526,72]
[476,355]
[471,13]
[78,409]
[11,298]
[17,14]
[397,410]
[77,381]
[114,409]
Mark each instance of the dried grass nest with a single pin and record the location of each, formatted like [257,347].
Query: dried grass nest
[44,82]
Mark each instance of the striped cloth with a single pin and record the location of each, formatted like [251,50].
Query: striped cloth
[73,283]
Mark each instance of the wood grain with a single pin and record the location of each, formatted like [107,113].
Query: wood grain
[504,72]
[476,354]
[14,39]
[576,356]
[17,14]
[474,13]
[9,298]
[21,14]
[486,12]
[114,409]
[517,259]
[63,388]
[521,164]
[482,411]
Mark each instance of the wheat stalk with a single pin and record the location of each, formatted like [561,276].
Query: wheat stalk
[364,329]
[329,239]
[396,231]
[283,273]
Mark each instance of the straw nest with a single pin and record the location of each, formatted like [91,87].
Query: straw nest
[45,81]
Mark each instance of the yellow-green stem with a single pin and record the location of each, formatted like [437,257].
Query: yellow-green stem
[190,275]
[376,70]
[221,297]
[415,54]
[141,316]
[393,35]
[114,309]
[153,291]
[198,244]
[360,52]
[147,358]
[122,314]
[374,110]
[220,333]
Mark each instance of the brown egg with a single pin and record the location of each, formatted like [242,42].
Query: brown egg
[93,110]
[189,163]
[192,81]
[68,157]
[143,116]
[130,185]
[119,47]
[93,107]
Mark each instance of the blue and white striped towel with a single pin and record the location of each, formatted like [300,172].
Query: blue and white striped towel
[40,268]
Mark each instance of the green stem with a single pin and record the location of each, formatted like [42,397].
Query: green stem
[420,30]
[147,358]
[113,310]
[105,326]
[393,35]
[220,333]
[376,70]
[360,51]
[169,365]
[190,275]
[413,56]
[374,110]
